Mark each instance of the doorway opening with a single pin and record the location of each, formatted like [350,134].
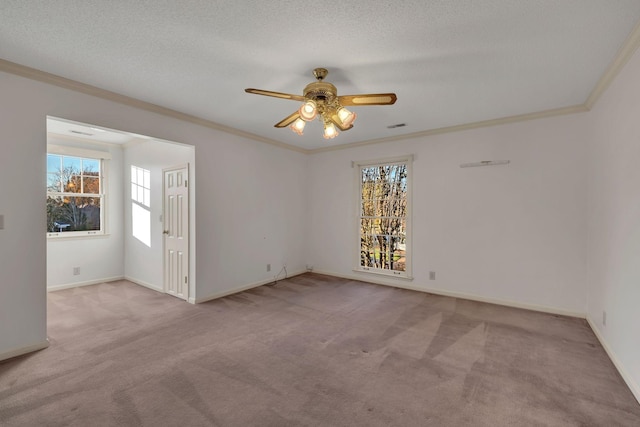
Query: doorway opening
[124,172]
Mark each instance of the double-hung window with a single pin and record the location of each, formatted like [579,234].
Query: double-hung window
[75,195]
[384,216]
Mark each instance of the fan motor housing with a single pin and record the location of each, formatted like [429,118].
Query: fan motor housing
[321,92]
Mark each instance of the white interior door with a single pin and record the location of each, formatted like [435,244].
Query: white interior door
[176,232]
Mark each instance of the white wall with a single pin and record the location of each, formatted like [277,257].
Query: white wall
[99,257]
[254,198]
[144,264]
[22,241]
[250,207]
[614,221]
[510,233]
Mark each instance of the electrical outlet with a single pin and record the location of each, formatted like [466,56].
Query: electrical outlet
[432,275]
[76,271]
[604,318]
[268,267]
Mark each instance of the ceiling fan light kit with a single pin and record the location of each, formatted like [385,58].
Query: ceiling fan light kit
[320,99]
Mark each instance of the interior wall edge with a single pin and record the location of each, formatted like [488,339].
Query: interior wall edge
[44,77]
[633,386]
[144,284]
[624,54]
[85,283]
[34,74]
[243,288]
[501,121]
[461,295]
[24,350]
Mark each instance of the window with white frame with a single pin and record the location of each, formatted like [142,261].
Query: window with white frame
[141,185]
[384,219]
[75,195]
[141,204]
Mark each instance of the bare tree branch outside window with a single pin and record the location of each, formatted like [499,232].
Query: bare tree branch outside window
[73,194]
[383,211]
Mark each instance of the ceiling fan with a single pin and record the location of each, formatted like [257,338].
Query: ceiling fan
[320,99]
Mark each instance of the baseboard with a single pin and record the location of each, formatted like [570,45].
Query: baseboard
[479,298]
[24,350]
[144,284]
[241,288]
[633,386]
[79,284]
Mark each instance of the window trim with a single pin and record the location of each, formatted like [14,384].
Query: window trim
[358,166]
[84,153]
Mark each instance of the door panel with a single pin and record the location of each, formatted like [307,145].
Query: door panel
[176,232]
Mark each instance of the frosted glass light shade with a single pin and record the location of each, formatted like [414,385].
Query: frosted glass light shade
[330,131]
[346,117]
[308,111]
[298,126]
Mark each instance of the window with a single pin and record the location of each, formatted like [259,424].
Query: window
[75,195]
[384,217]
[140,204]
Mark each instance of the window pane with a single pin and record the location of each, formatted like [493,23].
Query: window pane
[72,184]
[398,250]
[91,167]
[53,182]
[374,252]
[367,251]
[134,175]
[367,226]
[384,224]
[368,207]
[74,164]
[53,163]
[73,213]
[147,179]
[147,198]
[90,185]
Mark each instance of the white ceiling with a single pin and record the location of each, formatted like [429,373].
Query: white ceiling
[82,131]
[450,62]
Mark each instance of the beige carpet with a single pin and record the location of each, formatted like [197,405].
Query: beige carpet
[310,351]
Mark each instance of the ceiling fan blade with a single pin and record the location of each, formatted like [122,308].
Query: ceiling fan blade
[368,99]
[336,121]
[275,94]
[287,121]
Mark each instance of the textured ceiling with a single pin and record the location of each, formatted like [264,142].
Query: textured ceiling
[450,62]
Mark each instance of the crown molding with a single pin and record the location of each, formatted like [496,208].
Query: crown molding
[42,76]
[457,128]
[623,55]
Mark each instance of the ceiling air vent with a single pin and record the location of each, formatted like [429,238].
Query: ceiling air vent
[399,125]
[81,133]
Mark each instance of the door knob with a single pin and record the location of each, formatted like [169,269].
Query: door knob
[165,232]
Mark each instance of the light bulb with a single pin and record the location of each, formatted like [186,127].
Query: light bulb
[298,126]
[308,111]
[346,117]
[330,131]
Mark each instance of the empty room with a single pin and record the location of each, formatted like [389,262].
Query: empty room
[294,213]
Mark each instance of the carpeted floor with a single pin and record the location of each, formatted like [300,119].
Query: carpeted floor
[312,350]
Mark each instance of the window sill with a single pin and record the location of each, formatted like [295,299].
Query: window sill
[395,275]
[68,236]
